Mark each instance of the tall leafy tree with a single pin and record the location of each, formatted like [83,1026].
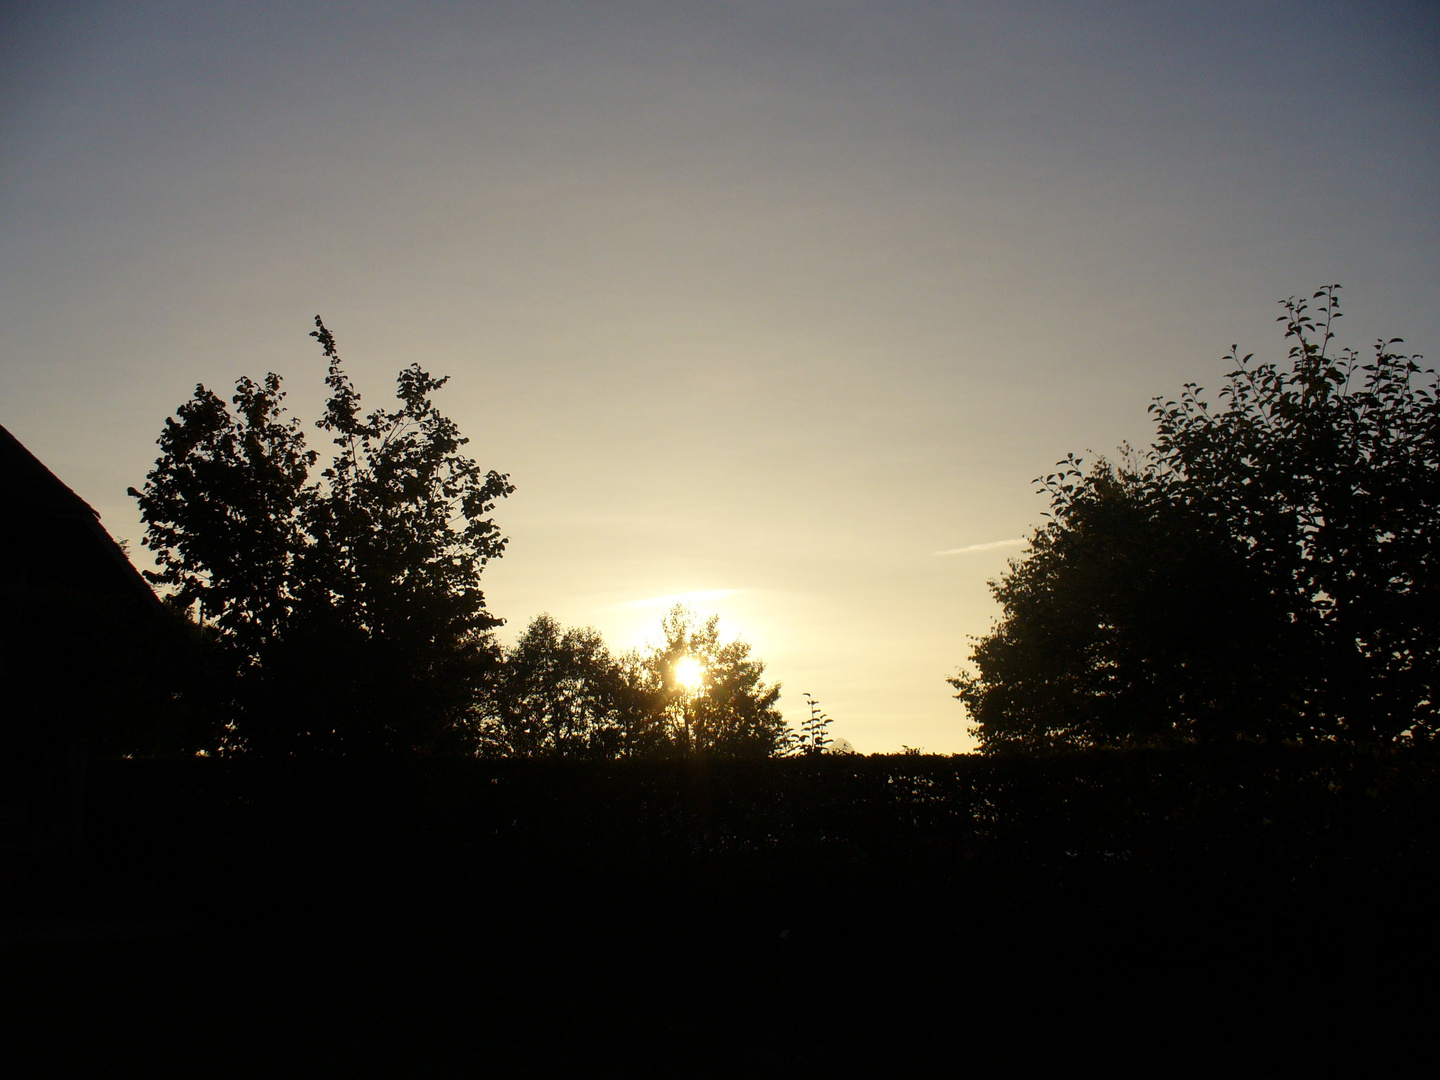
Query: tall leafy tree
[348,606]
[1267,569]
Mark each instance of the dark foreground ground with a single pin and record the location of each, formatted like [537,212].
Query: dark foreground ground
[1266,913]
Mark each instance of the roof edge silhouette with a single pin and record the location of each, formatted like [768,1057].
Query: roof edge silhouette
[34,500]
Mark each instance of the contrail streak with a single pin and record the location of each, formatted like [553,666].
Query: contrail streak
[993,545]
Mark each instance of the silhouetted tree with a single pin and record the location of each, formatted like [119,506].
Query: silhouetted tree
[731,713]
[1131,620]
[560,692]
[1266,570]
[349,608]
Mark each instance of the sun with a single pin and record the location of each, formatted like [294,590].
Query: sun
[689,673]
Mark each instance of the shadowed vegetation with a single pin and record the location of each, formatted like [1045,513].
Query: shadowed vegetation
[536,913]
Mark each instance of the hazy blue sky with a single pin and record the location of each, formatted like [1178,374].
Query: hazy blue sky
[767,302]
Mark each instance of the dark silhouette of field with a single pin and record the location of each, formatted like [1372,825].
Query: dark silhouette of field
[411,916]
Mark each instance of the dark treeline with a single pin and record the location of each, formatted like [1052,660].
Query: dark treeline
[1296,824]
[560,692]
[796,913]
[1265,571]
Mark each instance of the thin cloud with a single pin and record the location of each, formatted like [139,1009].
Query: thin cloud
[697,596]
[993,545]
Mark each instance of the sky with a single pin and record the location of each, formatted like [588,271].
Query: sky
[776,308]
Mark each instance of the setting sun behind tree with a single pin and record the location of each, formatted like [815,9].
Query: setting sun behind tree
[689,673]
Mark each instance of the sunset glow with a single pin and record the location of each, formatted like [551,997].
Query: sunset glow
[772,310]
[689,673]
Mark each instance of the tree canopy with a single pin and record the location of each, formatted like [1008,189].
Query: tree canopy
[730,713]
[348,606]
[560,692]
[1265,570]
